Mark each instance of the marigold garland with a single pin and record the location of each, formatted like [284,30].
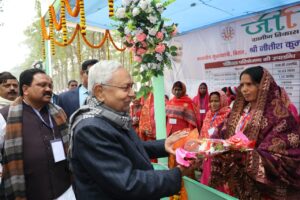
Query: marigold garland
[113,43]
[78,48]
[77,28]
[63,22]
[107,36]
[51,33]
[61,25]
[82,17]
[57,25]
[96,46]
[43,47]
[44,31]
[75,11]
[107,47]
[111,8]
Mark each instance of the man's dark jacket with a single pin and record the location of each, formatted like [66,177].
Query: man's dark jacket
[69,101]
[110,163]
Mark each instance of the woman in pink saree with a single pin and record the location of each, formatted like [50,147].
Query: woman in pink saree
[272,169]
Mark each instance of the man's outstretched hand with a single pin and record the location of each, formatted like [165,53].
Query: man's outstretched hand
[172,139]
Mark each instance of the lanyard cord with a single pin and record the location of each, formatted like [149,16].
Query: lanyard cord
[50,125]
[213,119]
[243,121]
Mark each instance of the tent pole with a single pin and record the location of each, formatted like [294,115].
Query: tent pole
[160,111]
[48,68]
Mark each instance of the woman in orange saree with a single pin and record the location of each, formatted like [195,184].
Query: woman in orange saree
[181,111]
[147,123]
[135,112]
[181,114]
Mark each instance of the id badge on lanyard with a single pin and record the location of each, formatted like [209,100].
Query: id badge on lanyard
[172,121]
[211,131]
[202,111]
[56,144]
[58,150]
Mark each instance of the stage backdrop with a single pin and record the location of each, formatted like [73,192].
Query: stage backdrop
[218,54]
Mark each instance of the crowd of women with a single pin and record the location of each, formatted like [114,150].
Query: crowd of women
[258,108]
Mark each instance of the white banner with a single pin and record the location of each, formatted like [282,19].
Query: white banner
[218,54]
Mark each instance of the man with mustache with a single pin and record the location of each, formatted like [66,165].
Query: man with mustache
[33,151]
[107,158]
[8,88]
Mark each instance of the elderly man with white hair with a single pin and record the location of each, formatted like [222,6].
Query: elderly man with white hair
[108,159]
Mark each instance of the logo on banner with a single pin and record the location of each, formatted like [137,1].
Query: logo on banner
[228,33]
[275,22]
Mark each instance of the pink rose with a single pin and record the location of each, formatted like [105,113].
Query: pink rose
[174,32]
[140,51]
[160,48]
[144,44]
[141,37]
[129,39]
[137,58]
[133,49]
[240,141]
[160,35]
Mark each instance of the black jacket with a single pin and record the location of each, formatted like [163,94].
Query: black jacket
[110,163]
[69,101]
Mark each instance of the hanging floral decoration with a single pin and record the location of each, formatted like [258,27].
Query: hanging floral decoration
[78,49]
[63,22]
[73,12]
[51,33]
[82,17]
[80,29]
[111,8]
[43,48]
[144,31]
